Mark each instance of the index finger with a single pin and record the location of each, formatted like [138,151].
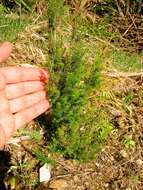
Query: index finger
[21,74]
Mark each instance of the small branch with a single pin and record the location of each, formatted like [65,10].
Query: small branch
[73,174]
[133,21]
[128,29]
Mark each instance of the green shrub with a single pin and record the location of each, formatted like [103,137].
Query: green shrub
[79,133]
[75,129]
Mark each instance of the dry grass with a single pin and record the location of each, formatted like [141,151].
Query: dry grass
[26,49]
[83,8]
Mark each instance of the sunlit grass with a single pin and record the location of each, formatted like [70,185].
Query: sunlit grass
[11,24]
[125,61]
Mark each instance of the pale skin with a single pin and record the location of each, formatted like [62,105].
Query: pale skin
[22,95]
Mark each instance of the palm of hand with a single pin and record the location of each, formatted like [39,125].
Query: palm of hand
[22,95]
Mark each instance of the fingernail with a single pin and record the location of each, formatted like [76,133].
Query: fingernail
[44,75]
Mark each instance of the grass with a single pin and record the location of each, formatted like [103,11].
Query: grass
[127,99]
[126,61]
[33,134]
[10,25]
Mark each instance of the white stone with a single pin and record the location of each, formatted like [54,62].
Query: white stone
[45,173]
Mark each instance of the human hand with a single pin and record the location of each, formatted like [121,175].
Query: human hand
[22,95]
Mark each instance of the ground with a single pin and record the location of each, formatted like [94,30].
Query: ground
[119,165]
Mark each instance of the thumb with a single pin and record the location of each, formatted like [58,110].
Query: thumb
[5,50]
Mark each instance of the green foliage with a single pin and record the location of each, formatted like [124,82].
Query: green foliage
[128,98]
[2,9]
[112,8]
[101,29]
[33,134]
[42,157]
[77,130]
[55,11]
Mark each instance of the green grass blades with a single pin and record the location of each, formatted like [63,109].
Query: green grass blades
[10,27]
[125,61]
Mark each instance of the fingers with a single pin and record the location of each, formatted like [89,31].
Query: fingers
[24,102]
[5,50]
[23,88]
[27,115]
[21,74]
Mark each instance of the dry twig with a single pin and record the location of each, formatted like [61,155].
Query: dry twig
[124,75]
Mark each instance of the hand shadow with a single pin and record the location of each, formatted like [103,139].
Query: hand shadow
[45,121]
[4,166]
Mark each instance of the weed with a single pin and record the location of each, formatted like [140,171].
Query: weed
[34,134]
[129,143]
[128,98]
[135,178]
[42,157]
